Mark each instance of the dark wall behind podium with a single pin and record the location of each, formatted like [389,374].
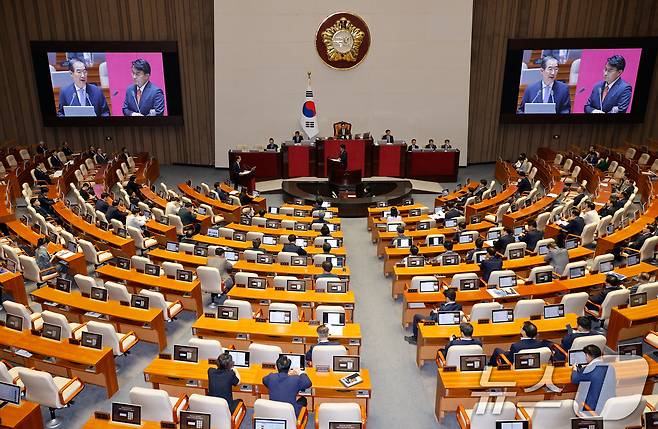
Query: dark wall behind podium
[495,21]
[189,22]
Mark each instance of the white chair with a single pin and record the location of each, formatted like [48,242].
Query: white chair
[118,342]
[171,268]
[601,259]
[139,262]
[498,217]
[571,265]
[535,271]
[242,278]
[622,412]
[485,415]
[320,310]
[525,308]
[251,255]
[9,374]
[339,412]
[214,218]
[226,232]
[651,290]
[220,413]
[175,221]
[453,358]
[612,299]
[263,353]
[211,282]
[574,303]
[482,310]
[597,340]
[284,257]
[587,236]
[11,161]
[550,414]
[542,220]
[244,308]
[208,349]
[417,280]
[117,292]
[92,256]
[85,283]
[157,300]
[648,249]
[31,319]
[32,272]
[157,405]
[265,408]
[282,281]
[48,391]
[545,354]
[495,276]
[514,246]
[141,243]
[457,278]
[321,283]
[558,159]
[324,355]
[286,306]
[187,248]
[68,329]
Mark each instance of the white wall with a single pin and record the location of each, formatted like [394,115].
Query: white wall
[414,80]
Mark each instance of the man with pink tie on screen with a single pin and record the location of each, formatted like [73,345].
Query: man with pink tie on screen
[143,98]
[612,94]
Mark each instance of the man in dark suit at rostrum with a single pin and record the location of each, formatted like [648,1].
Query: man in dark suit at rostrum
[81,93]
[143,98]
[612,94]
[387,137]
[548,89]
[449,305]
[297,138]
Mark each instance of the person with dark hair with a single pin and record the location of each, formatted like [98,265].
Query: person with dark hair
[143,98]
[222,379]
[493,262]
[430,145]
[245,198]
[450,304]
[609,208]
[47,203]
[100,157]
[66,149]
[219,261]
[507,237]
[327,266]
[255,245]
[397,241]
[575,224]
[592,157]
[221,194]
[284,385]
[326,248]
[324,231]
[452,212]
[648,231]
[528,341]
[343,132]
[466,338]
[482,186]
[387,137]
[523,185]
[41,175]
[323,340]
[320,218]
[292,247]
[557,256]
[479,246]
[583,329]
[413,251]
[114,212]
[271,145]
[394,215]
[593,373]
[318,204]
[297,138]
[446,144]
[590,215]
[132,187]
[612,94]
[548,89]
[102,203]
[81,93]
[342,156]
[612,283]
[136,219]
[531,236]
[448,246]
[55,162]
[413,146]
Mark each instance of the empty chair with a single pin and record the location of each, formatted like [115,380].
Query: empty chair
[621,412]
[525,308]
[48,391]
[284,257]
[187,248]
[69,329]
[220,413]
[157,405]
[141,243]
[320,310]
[31,319]
[117,292]
[597,340]
[32,272]
[321,257]
[498,217]
[251,255]
[494,278]
[286,306]
[573,177]
[242,278]
[324,356]
[321,283]
[85,283]
[92,256]
[612,299]
[630,153]
[11,161]
[244,308]
[587,236]
[542,220]
[433,237]
[139,262]
[328,413]
[282,281]
[482,310]
[573,265]
[119,343]
[208,349]
[9,374]
[514,246]
[485,415]
[457,278]
[214,218]
[566,168]
[606,259]
[648,249]
[254,235]
[574,303]
[157,300]
[175,221]
[258,221]
[554,414]
[265,408]
[171,268]
[226,232]
[263,353]
[455,353]
[211,282]
[535,271]
[651,290]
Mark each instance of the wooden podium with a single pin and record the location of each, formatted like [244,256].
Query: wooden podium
[340,178]
[247,180]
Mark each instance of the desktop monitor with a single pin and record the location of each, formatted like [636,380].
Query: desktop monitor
[475,219]
[493,193]
[633,349]
[403,242]
[122,263]
[472,362]
[103,225]
[14,322]
[273,224]
[438,210]
[184,275]
[553,311]
[10,393]
[414,212]
[507,281]
[296,286]
[273,210]
[280,316]
[516,254]
[610,229]
[264,258]
[240,358]
[337,287]
[347,363]
[213,232]
[423,226]
[392,227]
[345,425]
[164,220]
[301,242]
[606,266]
[386,213]
[227,312]
[245,220]
[651,420]
[53,332]
[576,272]
[186,353]
[637,299]
[333,318]
[416,261]
[152,269]
[543,277]
[194,420]
[493,235]
[299,213]
[428,286]
[333,242]
[269,240]
[299,226]
[577,357]
[72,247]
[589,423]
[435,241]
[299,261]
[450,223]
[518,230]
[543,249]
[139,301]
[126,413]
[479,257]
[502,316]
[449,317]
[98,293]
[332,227]
[465,238]
[261,423]
[632,259]
[257,283]
[63,285]
[201,251]
[231,255]
[239,236]
[338,261]
[173,246]
[202,211]
[298,360]
[571,243]
[526,361]
[91,340]
[512,424]
[468,284]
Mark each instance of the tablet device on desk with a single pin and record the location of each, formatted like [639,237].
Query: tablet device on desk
[333,318]
[269,240]
[543,249]
[194,420]
[502,316]
[416,261]
[610,229]
[526,361]
[493,235]
[553,311]
[351,380]
[571,243]
[479,257]
[273,210]
[212,232]
[298,361]
[518,230]
[516,254]
[577,357]
[103,225]
[122,263]
[91,340]
[240,358]
[333,242]
[439,211]
[589,423]
[637,299]
[633,349]
[392,227]
[201,251]
[301,242]
[245,220]
[261,423]
[472,362]
[126,413]
[465,238]
[428,286]
[303,227]
[121,232]
[63,285]
[273,224]
[152,269]
[347,363]
[98,293]
[576,272]
[139,301]
[14,322]
[186,353]
[449,317]
[239,236]
[475,219]
[257,283]
[264,258]
[296,286]
[184,275]
[231,255]
[543,277]
[201,211]
[337,287]
[651,420]
[280,316]
[227,312]
[403,242]
[507,281]
[606,266]
[469,284]
[450,260]
[423,226]
[386,214]
[299,213]
[298,261]
[53,332]
[72,247]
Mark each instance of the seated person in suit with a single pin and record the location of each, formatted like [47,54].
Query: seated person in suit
[318,204]
[42,149]
[320,218]
[394,216]
[413,146]
[521,160]
[446,144]
[430,145]
[326,249]
[55,161]
[479,246]
[81,93]
[143,98]
[612,94]
[86,192]
[327,266]
[592,157]
[323,340]
[648,231]
[401,236]
[343,132]
[102,204]
[531,236]
[593,373]
[41,174]
[609,208]
[448,245]
[557,256]
[186,214]
[466,339]
[387,137]
[528,341]
[413,251]
[523,185]
[100,157]
[482,186]
[115,212]
[284,385]
[453,211]
[222,194]
[612,283]
[324,231]
[255,246]
[219,261]
[575,223]
[449,305]
[45,212]
[245,198]
[492,262]
[548,89]
[507,237]
[132,187]
[222,379]
[290,246]
[66,149]
[583,329]
[297,138]
[271,145]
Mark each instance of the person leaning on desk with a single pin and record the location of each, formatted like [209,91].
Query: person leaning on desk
[285,384]
[222,379]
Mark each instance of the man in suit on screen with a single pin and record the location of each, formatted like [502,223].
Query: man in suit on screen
[612,94]
[81,93]
[548,90]
[143,98]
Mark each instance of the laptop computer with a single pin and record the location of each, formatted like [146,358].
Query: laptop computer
[79,111]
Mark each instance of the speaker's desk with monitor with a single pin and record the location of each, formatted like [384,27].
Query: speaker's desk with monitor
[306,301]
[296,337]
[631,322]
[68,360]
[27,415]
[188,293]
[148,325]
[431,338]
[403,275]
[287,270]
[454,388]
[179,378]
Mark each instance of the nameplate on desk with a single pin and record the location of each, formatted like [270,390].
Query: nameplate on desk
[451,368]
[355,342]
[165,356]
[242,336]
[261,320]
[167,425]
[321,368]
[306,305]
[101,415]
[268,365]
[535,317]
[429,323]
[412,290]
[279,288]
[313,323]
[362,394]
[504,367]
[210,315]
[245,388]
[297,340]
[483,321]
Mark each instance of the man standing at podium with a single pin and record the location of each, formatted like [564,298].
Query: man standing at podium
[342,157]
[236,169]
